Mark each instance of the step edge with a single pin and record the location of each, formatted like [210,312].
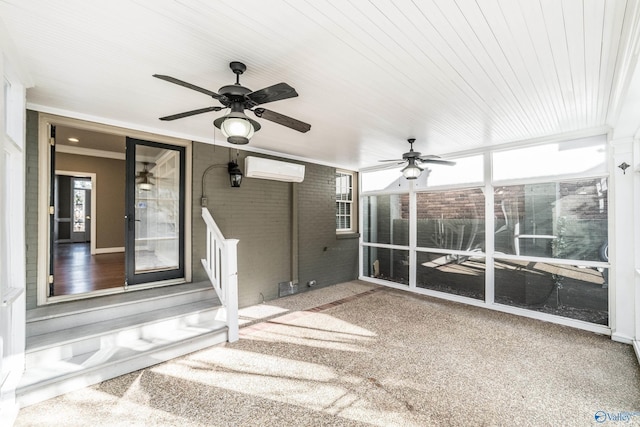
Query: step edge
[30,347]
[40,392]
[223,330]
[39,318]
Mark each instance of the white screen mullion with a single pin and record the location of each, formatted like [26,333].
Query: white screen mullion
[489,278]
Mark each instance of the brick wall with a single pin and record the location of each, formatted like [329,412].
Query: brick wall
[460,204]
[323,256]
[259,214]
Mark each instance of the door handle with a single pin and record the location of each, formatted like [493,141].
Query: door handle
[88,216]
[129,219]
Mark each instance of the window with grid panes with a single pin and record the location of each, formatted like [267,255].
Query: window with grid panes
[345,221]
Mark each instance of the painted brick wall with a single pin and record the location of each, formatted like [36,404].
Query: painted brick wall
[323,256]
[259,214]
[31,207]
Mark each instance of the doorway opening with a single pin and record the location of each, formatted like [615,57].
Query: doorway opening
[87,183]
[77,267]
[116,213]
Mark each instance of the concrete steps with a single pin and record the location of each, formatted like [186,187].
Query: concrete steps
[78,344]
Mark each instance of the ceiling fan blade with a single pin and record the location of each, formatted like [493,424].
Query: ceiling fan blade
[187,85]
[392,160]
[272,93]
[190,113]
[438,162]
[429,156]
[281,119]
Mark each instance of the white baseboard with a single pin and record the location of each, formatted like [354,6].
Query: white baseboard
[109,250]
[625,339]
[636,348]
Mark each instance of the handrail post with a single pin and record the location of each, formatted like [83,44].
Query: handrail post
[221,266]
[231,294]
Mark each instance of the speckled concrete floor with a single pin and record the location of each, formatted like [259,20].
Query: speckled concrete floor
[375,357]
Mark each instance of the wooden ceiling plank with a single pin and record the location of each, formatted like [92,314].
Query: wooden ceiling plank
[544,61]
[454,26]
[626,58]
[594,11]
[427,46]
[510,43]
[529,61]
[495,61]
[573,17]
[554,25]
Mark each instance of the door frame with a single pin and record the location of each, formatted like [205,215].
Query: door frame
[132,278]
[45,120]
[94,192]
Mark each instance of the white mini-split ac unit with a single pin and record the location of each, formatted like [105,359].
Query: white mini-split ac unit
[258,167]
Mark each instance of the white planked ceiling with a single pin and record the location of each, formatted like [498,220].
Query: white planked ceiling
[455,74]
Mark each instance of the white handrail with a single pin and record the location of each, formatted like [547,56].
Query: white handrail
[221,265]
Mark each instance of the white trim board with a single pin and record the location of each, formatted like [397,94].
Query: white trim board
[537,315]
[81,151]
[109,250]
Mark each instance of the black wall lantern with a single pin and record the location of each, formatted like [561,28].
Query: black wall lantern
[235,174]
[235,178]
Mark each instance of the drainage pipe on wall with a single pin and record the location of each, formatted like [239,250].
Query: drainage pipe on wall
[294,233]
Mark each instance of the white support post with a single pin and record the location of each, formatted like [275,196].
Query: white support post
[489,215]
[621,245]
[231,294]
[413,236]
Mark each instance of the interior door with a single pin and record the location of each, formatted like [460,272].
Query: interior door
[80,209]
[154,247]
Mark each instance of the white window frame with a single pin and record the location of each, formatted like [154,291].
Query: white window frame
[489,184]
[352,202]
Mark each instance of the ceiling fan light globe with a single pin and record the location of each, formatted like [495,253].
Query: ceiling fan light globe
[411,171]
[145,186]
[237,127]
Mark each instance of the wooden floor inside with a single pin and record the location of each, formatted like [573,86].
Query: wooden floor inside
[77,271]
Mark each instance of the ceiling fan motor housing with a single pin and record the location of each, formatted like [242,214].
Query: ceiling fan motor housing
[235,93]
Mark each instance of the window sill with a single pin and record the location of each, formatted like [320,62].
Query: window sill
[352,235]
